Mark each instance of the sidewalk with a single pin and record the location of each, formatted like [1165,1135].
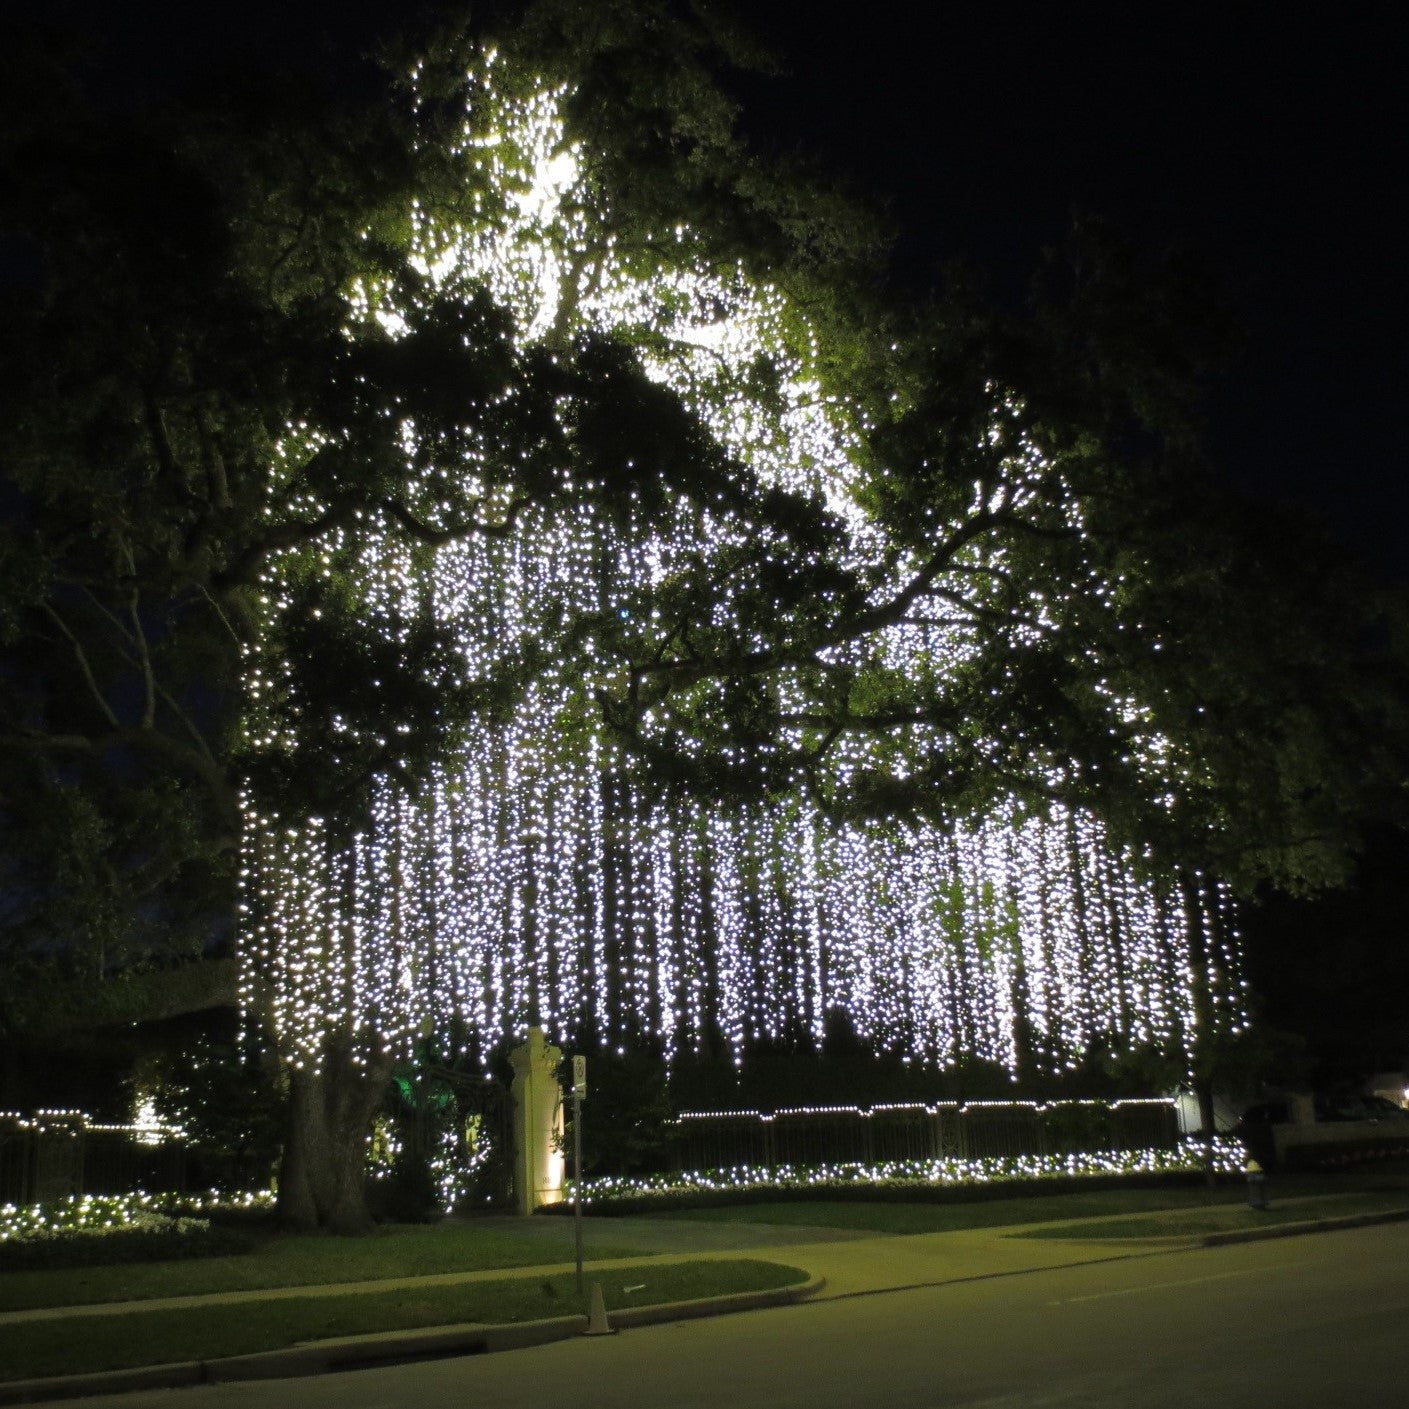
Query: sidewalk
[846,1266]
[839,1263]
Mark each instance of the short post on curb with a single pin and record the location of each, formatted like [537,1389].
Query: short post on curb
[1257,1185]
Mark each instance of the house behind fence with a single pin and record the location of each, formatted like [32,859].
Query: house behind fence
[57,1155]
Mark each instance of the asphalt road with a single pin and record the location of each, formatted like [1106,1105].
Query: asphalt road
[1316,1320]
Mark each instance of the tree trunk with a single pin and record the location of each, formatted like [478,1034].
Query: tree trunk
[322,1177]
[1203,1092]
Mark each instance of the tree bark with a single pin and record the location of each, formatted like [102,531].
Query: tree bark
[1203,1092]
[323,1174]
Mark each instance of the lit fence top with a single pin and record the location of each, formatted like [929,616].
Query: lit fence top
[76,1122]
[921,1108]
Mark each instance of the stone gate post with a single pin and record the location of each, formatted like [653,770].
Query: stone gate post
[538,1123]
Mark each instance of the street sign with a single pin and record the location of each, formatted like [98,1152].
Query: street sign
[579,1078]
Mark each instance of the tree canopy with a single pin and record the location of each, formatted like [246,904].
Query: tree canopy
[283,347]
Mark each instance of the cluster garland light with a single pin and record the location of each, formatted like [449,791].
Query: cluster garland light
[530,883]
[455,1159]
[105,1213]
[147,1129]
[1220,1155]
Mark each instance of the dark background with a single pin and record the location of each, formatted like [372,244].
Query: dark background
[1268,140]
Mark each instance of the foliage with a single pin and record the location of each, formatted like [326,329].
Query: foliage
[430,1154]
[190,401]
[943,1180]
[188,313]
[227,1100]
[198,270]
[149,1238]
[626,1115]
[1213,678]
[243,403]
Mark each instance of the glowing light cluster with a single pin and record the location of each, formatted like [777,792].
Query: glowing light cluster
[100,1213]
[147,1128]
[455,1159]
[533,882]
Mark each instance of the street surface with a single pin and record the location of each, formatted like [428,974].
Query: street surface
[1305,1321]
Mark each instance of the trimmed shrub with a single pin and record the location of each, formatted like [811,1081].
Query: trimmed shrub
[156,1239]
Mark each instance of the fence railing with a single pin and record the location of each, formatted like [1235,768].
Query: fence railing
[817,1135]
[59,1154]
[62,1154]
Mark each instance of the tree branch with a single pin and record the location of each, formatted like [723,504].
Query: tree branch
[98,698]
[439,537]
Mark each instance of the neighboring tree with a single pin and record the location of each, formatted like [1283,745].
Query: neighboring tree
[226,1099]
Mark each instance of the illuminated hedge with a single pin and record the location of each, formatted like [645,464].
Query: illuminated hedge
[1222,1156]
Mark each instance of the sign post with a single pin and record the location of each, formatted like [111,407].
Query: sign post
[579,1091]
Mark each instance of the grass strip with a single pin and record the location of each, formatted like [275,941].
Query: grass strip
[1193,1223]
[292,1260]
[76,1344]
[945,1218]
[894,1216]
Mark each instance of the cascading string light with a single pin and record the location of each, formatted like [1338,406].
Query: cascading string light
[534,880]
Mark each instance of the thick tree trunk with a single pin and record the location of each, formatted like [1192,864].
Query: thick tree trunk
[322,1179]
[1203,1092]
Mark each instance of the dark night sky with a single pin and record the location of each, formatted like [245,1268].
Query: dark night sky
[1271,140]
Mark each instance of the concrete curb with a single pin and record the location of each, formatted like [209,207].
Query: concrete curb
[175,1376]
[715,1305]
[385,1348]
[1315,1225]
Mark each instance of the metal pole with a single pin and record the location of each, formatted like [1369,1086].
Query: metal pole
[577,1180]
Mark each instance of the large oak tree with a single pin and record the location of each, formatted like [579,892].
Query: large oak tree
[188,398]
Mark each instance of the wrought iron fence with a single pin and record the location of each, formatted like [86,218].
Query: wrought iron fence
[59,1154]
[462,1125]
[62,1154]
[818,1135]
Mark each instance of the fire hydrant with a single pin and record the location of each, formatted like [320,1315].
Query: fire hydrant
[1257,1185]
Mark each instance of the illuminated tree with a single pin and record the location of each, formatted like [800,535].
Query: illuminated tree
[495,511]
[672,824]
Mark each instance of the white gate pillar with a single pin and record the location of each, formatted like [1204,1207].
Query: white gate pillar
[538,1123]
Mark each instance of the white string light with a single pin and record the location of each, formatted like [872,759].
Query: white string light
[531,881]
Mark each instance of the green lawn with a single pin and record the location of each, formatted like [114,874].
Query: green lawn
[942,1218]
[285,1260]
[1381,1187]
[1191,1223]
[78,1343]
